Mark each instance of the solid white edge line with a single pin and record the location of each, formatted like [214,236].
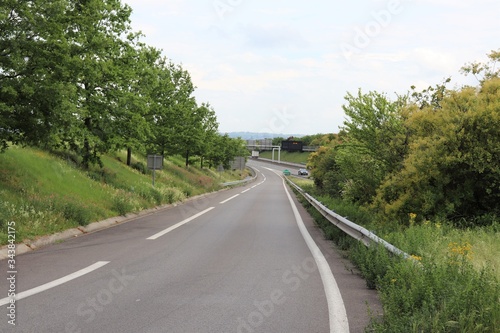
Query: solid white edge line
[336,307]
[248,189]
[234,196]
[175,226]
[54,283]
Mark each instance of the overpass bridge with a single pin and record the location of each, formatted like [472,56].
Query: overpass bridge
[271,147]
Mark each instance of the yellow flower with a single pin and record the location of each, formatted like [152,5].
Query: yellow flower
[463,250]
[415,257]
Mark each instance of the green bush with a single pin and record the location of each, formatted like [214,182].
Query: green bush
[373,262]
[74,212]
[156,195]
[104,175]
[122,205]
[139,166]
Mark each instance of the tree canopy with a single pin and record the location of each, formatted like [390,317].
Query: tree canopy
[434,153]
[74,76]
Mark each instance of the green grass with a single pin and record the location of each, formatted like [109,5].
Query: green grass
[43,193]
[295,157]
[450,285]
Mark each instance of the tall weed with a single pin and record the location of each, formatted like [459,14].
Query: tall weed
[450,283]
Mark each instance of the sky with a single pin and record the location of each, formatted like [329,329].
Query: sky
[281,66]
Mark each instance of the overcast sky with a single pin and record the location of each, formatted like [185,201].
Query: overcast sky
[285,66]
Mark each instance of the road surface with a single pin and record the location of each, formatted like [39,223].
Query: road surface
[248,259]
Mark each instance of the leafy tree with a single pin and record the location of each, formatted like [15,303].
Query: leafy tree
[430,97]
[375,142]
[208,131]
[216,154]
[173,104]
[99,35]
[223,150]
[35,99]
[452,169]
[325,171]
[132,126]
[277,141]
[484,71]
[323,139]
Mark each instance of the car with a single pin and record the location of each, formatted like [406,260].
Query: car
[287,172]
[303,172]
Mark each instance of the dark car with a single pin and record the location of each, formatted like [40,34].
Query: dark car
[303,172]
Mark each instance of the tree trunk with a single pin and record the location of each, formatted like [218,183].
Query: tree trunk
[129,156]
[86,144]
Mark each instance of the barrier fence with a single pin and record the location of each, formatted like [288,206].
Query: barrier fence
[352,229]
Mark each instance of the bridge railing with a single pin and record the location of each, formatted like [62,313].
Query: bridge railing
[264,147]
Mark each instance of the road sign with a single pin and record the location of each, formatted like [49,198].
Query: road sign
[155,162]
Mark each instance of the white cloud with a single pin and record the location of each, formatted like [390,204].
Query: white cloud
[267,55]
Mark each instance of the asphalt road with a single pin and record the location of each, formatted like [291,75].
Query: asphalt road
[241,260]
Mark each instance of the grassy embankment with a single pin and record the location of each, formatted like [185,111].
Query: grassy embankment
[451,285]
[43,193]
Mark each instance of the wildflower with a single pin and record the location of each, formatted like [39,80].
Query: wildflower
[412,216]
[463,250]
[415,257]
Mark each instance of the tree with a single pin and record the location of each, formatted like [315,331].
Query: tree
[430,97]
[172,110]
[35,100]
[99,34]
[132,125]
[484,71]
[325,171]
[453,167]
[223,150]
[323,139]
[277,141]
[375,143]
[208,131]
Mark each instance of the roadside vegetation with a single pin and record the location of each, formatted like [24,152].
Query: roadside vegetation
[83,100]
[449,285]
[88,100]
[423,173]
[44,193]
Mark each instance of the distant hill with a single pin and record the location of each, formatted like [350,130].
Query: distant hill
[259,136]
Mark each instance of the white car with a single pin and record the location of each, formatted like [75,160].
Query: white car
[303,172]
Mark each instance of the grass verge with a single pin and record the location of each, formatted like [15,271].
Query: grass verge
[453,287]
[44,193]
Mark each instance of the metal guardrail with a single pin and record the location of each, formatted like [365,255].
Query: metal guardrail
[270,147]
[246,180]
[310,148]
[352,229]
